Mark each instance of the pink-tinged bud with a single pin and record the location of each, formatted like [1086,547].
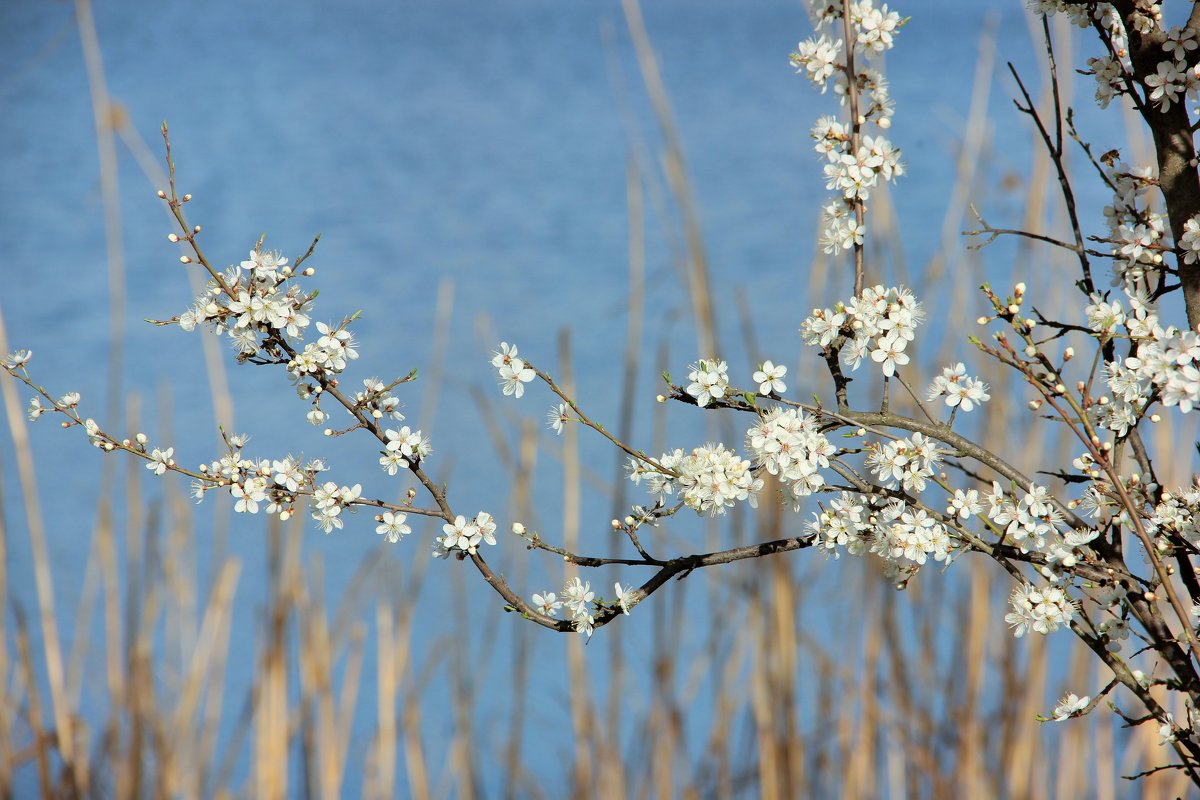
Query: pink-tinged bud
[162,195]
[172,237]
[196,229]
[187,197]
[186,259]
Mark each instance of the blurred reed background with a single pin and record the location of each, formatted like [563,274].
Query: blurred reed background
[736,693]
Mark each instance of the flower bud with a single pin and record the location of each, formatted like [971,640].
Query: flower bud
[186,259]
[142,438]
[1068,354]
[518,529]
[187,197]
[172,237]
[1031,351]
[162,195]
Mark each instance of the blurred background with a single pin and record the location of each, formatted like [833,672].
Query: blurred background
[615,190]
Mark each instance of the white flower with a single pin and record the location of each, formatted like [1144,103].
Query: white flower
[486,527]
[1166,84]
[889,353]
[17,359]
[249,494]
[577,595]
[964,505]
[1071,705]
[265,265]
[514,375]
[625,597]
[818,58]
[391,524]
[547,604]
[329,518]
[160,460]
[36,409]
[770,378]
[461,535]
[709,380]
[68,400]
[504,355]
[557,416]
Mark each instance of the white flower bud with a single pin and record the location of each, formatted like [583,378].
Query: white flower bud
[162,195]
[518,529]
[1068,354]
[1155,418]
[1034,405]
[172,237]
[142,438]
[187,198]
[1031,351]
[982,321]
[616,524]
[186,259]
[1019,288]
[1013,308]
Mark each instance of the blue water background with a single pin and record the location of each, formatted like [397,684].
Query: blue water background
[483,143]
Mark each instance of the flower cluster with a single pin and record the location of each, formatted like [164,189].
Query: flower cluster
[908,463]
[904,537]
[1164,364]
[1035,525]
[257,301]
[855,163]
[328,355]
[464,537]
[960,390]
[1041,610]
[1178,513]
[787,444]
[1135,230]
[879,324]
[580,601]
[404,449]
[709,479]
